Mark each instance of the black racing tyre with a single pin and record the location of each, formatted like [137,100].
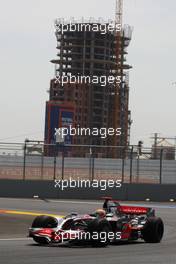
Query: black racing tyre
[41,240]
[101,228]
[153,230]
[44,221]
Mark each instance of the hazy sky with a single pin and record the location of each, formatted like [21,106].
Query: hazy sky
[27,44]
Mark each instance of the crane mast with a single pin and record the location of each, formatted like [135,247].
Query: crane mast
[119,69]
[119,12]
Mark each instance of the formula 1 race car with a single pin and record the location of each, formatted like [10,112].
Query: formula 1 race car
[113,223]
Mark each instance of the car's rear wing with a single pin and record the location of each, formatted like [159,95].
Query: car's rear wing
[134,209]
[109,203]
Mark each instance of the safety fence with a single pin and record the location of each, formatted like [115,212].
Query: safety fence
[133,164]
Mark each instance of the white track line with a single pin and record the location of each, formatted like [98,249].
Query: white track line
[74,202]
[152,204]
[158,205]
[15,239]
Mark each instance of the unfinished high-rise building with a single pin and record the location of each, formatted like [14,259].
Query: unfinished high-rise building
[90,104]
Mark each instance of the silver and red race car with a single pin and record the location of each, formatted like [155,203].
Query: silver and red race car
[120,223]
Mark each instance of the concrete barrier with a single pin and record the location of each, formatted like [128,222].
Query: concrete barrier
[46,189]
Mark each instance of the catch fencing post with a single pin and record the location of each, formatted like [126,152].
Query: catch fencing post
[42,163]
[90,163]
[24,160]
[123,164]
[131,164]
[93,167]
[161,166]
[54,177]
[137,172]
[60,143]
[63,160]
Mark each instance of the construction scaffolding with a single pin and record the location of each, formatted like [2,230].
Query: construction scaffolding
[91,53]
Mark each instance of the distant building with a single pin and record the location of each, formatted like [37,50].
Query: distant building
[91,54]
[168,150]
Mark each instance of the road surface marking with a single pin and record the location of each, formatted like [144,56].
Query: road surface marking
[26,213]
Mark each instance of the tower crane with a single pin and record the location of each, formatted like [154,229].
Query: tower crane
[119,69]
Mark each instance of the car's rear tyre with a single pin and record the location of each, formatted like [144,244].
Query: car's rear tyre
[153,230]
[44,221]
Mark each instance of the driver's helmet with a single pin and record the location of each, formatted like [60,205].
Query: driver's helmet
[100,213]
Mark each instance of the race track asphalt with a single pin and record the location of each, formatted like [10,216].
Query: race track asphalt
[16,248]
